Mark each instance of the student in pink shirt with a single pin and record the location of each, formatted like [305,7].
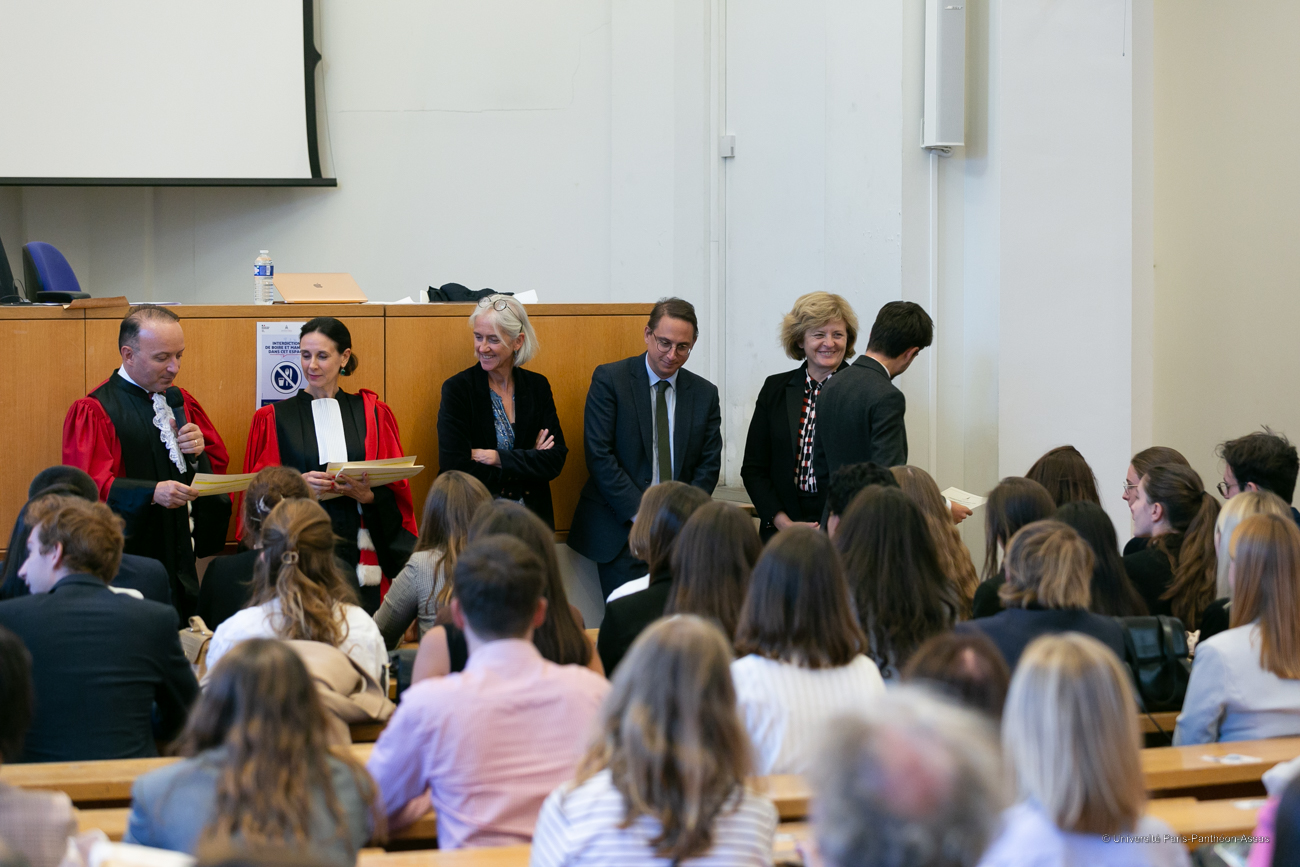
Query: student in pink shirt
[489,744]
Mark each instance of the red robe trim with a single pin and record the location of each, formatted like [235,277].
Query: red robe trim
[90,440]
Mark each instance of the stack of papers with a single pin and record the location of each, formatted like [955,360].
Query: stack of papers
[381,472]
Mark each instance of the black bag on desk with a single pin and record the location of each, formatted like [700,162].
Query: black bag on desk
[454,293]
[1155,650]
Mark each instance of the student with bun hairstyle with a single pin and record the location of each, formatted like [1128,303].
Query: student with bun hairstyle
[257,769]
[1176,573]
[299,593]
[1015,502]
[423,587]
[228,584]
[800,652]
[375,526]
[664,779]
[1245,682]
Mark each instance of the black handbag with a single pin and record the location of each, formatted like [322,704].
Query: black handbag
[455,293]
[1155,650]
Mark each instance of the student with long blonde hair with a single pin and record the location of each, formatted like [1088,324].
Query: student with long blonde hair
[300,593]
[424,585]
[954,556]
[1070,739]
[257,770]
[1245,682]
[1239,508]
[665,775]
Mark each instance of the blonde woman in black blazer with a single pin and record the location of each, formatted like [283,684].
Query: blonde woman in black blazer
[820,331]
[497,421]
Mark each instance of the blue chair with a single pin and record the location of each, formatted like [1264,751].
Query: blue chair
[48,275]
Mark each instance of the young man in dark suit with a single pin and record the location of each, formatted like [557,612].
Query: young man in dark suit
[860,411]
[646,421]
[101,661]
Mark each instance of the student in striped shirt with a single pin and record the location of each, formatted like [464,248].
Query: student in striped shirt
[664,779]
[800,651]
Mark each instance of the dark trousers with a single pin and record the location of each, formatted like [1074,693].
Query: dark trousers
[622,569]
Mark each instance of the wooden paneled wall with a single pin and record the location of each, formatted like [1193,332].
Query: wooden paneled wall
[405,354]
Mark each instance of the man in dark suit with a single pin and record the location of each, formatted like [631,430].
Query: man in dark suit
[101,661]
[646,421]
[860,411]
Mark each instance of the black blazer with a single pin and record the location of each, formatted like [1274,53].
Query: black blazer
[627,617]
[617,438]
[1152,574]
[770,448]
[859,418]
[1013,630]
[227,586]
[100,662]
[144,574]
[465,422]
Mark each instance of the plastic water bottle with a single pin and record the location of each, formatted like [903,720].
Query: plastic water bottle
[263,279]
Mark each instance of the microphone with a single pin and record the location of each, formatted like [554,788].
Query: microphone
[176,401]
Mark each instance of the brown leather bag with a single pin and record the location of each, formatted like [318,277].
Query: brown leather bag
[349,694]
[194,642]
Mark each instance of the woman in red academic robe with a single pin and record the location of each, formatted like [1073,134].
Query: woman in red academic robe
[323,424]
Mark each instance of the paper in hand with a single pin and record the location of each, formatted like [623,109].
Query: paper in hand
[964,498]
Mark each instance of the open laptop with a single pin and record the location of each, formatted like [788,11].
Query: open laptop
[319,289]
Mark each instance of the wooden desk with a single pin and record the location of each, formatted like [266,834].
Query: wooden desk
[104,781]
[1166,721]
[112,821]
[494,856]
[1170,769]
[406,351]
[1197,820]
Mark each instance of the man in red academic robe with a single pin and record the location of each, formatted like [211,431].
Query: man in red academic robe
[142,439]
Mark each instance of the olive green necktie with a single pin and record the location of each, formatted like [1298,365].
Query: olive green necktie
[665,449]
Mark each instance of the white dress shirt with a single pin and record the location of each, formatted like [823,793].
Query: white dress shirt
[364,643]
[784,706]
[1231,697]
[670,398]
[581,826]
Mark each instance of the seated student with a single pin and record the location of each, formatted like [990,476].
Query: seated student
[664,780]
[625,618]
[800,651]
[1260,461]
[37,824]
[1176,573]
[1236,510]
[1070,741]
[966,667]
[900,593]
[227,585]
[1245,682]
[488,744]
[711,562]
[144,575]
[954,556]
[300,592]
[560,638]
[1065,474]
[845,484]
[1141,464]
[1049,573]
[1112,593]
[111,680]
[423,587]
[638,538]
[257,769]
[915,783]
[1014,503]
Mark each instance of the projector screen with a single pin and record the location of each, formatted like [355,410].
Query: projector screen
[158,92]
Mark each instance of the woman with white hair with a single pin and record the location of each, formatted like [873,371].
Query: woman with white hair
[1070,739]
[497,421]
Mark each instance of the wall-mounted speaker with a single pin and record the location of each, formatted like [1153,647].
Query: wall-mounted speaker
[944,121]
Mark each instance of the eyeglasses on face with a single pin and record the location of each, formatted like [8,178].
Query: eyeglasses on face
[1223,489]
[498,305]
[665,345]
[1128,486]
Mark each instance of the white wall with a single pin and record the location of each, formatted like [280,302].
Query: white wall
[570,147]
